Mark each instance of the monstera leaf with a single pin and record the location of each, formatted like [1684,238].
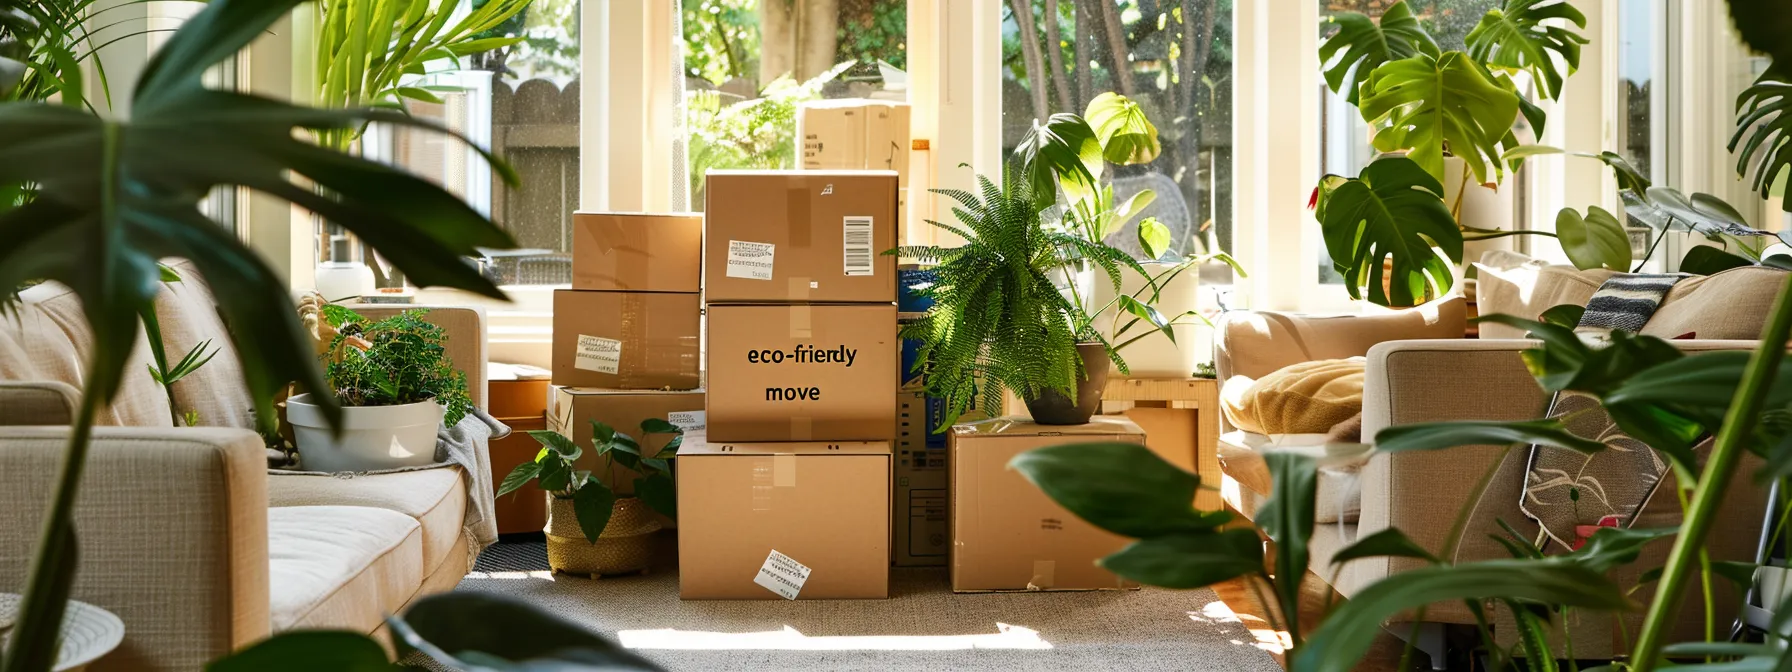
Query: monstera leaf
[1394,210]
[1762,119]
[1594,241]
[1513,37]
[1364,45]
[1063,151]
[1433,107]
[116,195]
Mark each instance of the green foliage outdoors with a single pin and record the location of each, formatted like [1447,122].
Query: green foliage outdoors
[753,134]
[404,363]
[721,39]
[592,499]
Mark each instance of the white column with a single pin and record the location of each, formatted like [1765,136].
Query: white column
[955,89]
[626,103]
[1276,163]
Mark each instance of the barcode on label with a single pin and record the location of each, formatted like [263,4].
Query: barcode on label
[857,236]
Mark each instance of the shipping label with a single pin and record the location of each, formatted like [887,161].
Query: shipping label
[689,421]
[603,355]
[749,260]
[782,575]
[856,232]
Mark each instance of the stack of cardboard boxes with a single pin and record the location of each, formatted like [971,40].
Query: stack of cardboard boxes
[626,336]
[789,494]
[858,134]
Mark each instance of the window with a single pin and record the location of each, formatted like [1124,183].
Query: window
[1175,60]
[749,63]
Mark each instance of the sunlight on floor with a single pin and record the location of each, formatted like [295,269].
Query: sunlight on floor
[1006,637]
[1267,638]
[544,574]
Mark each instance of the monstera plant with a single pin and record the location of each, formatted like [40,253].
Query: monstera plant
[1425,106]
[113,196]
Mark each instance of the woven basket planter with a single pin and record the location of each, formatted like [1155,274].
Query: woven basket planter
[624,547]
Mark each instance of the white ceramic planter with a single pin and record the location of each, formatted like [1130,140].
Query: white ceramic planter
[373,437]
[1482,208]
[1154,356]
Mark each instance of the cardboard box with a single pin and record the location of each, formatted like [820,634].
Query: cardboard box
[800,237]
[626,340]
[637,252]
[823,507]
[802,372]
[920,506]
[1006,534]
[855,134]
[573,409]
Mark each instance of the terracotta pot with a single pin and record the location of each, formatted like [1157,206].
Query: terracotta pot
[1053,408]
[623,547]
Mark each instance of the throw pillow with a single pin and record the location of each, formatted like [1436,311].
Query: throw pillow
[1305,398]
[1731,305]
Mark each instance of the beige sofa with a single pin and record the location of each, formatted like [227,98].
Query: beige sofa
[1420,369]
[184,534]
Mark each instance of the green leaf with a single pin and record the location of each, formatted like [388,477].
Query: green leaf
[1611,547]
[659,493]
[452,624]
[1287,518]
[659,426]
[519,477]
[602,436]
[1386,542]
[1126,135]
[593,504]
[1361,44]
[555,476]
[1393,210]
[1515,37]
[306,650]
[1452,434]
[1762,119]
[1154,237]
[1597,241]
[562,446]
[1062,151]
[419,93]
[1565,315]
[1348,631]
[1706,381]
[1188,560]
[1705,213]
[1123,488]
[1708,260]
[1440,106]
[483,45]
[1149,314]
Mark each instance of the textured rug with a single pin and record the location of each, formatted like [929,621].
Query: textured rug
[924,626]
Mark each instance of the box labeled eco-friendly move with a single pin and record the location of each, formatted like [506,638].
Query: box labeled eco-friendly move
[800,237]
[802,372]
[572,410]
[637,252]
[767,521]
[1006,534]
[626,340]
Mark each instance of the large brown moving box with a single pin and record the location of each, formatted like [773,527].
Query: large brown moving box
[811,519]
[574,409]
[637,252]
[1006,534]
[855,134]
[800,237]
[802,372]
[626,340]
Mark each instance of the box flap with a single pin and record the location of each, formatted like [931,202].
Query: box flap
[697,443]
[1020,425]
[602,391]
[801,174]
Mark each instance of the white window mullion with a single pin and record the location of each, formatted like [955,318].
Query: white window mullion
[1276,163]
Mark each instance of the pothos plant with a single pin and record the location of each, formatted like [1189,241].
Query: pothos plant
[1423,105]
[390,362]
[592,499]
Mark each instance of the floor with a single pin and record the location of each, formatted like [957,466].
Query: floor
[1238,596]
[924,626]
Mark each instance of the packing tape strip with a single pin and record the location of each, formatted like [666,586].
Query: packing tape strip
[783,471]
[796,199]
[1045,575]
[802,428]
[802,322]
[799,288]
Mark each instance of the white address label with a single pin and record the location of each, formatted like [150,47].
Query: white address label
[749,260]
[689,421]
[856,232]
[603,355]
[782,575]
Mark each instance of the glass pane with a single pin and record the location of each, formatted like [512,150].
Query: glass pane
[1343,135]
[748,63]
[1174,58]
[1639,24]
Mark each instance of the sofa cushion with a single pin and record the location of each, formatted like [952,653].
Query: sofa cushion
[435,498]
[1339,495]
[189,315]
[1731,305]
[47,339]
[343,567]
[1305,398]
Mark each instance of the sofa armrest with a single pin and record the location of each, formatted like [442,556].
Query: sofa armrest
[464,329]
[1257,343]
[39,402]
[172,526]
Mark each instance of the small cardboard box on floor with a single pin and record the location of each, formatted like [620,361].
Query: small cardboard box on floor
[800,237]
[626,340]
[634,252]
[572,410]
[1006,534]
[802,372]
[802,520]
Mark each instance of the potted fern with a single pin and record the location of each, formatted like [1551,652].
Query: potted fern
[396,387]
[590,529]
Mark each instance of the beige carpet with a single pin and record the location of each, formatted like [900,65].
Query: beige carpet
[924,626]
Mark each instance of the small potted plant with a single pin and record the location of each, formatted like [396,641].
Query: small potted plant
[590,529]
[396,387]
